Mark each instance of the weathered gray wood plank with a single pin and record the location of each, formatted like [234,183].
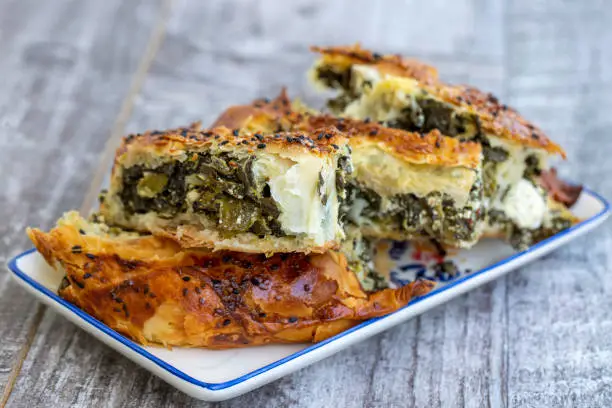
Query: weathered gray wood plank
[559,310]
[539,337]
[64,71]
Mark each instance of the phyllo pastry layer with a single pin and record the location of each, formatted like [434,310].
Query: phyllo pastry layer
[257,192]
[408,95]
[404,185]
[153,291]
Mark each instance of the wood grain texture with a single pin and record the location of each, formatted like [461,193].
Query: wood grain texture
[537,338]
[64,71]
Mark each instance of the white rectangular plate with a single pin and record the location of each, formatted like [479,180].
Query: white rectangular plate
[216,375]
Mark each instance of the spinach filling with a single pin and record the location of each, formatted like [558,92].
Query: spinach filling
[426,114]
[220,187]
[338,80]
[434,215]
[522,238]
[359,251]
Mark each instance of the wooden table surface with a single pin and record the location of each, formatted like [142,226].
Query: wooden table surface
[75,75]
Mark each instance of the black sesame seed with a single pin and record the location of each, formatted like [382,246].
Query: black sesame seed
[438,143]
[262,315]
[284,257]
[335,146]
[226,322]
[258,136]
[367,120]
[535,136]
[261,146]
[236,291]
[90,256]
[217,136]
[373,132]
[236,132]
[255,281]
[186,278]
[293,319]
[274,267]
[223,143]
[87,275]
[77,249]
[118,300]
[226,258]
[321,136]
[306,287]
[328,135]
[82,232]
[146,289]
[216,282]
[198,290]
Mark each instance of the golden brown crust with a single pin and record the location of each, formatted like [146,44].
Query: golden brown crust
[191,236]
[186,138]
[150,290]
[389,64]
[432,148]
[495,118]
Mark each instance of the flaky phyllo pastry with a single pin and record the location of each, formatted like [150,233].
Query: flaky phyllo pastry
[153,291]
[408,94]
[263,228]
[256,192]
[404,185]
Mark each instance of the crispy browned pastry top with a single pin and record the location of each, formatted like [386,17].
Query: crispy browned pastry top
[193,137]
[390,64]
[152,291]
[432,148]
[495,117]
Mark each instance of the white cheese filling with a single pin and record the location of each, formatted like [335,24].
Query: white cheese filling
[294,186]
[524,205]
[517,197]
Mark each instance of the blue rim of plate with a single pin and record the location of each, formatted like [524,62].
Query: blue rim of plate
[12,264]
